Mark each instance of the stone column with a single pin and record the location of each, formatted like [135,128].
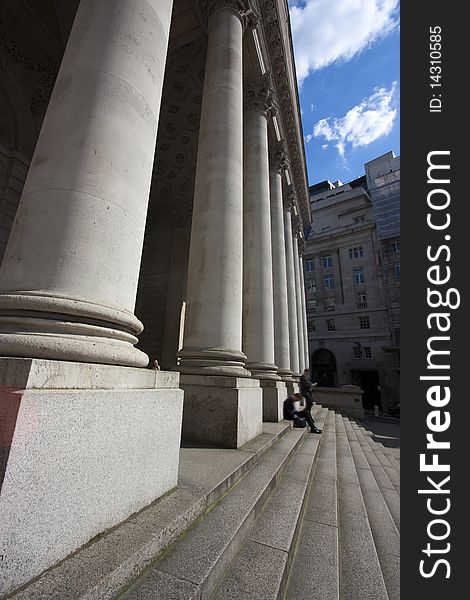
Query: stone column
[280,291]
[106,434]
[222,405]
[68,281]
[258,312]
[298,300]
[291,294]
[213,327]
[304,307]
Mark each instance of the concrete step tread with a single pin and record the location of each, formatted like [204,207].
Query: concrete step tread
[259,571]
[377,449]
[384,530]
[315,569]
[365,458]
[360,569]
[203,555]
[111,561]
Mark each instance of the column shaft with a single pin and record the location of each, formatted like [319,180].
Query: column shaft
[298,299]
[280,291]
[69,277]
[213,327]
[291,294]
[304,313]
[258,311]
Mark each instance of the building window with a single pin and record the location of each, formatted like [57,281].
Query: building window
[364,323]
[312,326]
[311,286]
[327,262]
[397,337]
[359,276]
[395,246]
[330,325]
[311,305]
[359,219]
[361,300]
[357,350]
[367,352]
[310,265]
[329,282]
[397,270]
[330,304]
[356,252]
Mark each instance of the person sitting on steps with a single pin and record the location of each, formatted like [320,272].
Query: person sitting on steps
[292,414]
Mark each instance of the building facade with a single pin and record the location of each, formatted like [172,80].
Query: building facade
[153,197]
[352,270]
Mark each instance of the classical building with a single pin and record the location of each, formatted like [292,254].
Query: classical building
[352,279]
[153,195]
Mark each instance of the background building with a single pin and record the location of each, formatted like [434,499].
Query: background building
[352,281]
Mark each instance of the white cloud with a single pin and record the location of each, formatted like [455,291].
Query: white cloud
[326,31]
[370,120]
[324,147]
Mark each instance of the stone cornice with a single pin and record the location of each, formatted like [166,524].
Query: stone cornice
[278,44]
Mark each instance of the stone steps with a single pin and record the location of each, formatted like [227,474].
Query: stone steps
[383,527]
[260,569]
[101,568]
[382,460]
[315,568]
[359,448]
[290,516]
[196,565]
[361,573]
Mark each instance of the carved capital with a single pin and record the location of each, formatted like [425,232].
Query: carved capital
[290,198]
[278,160]
[259,94]
[241,7]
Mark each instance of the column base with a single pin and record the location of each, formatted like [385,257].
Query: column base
[263,371]
[292,387]
[84,446]
[56,328]
[285,375]
[223,363]
[221,411]
[274,394]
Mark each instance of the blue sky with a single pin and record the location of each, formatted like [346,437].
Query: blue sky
[347,58]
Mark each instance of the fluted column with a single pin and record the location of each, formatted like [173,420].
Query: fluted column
[69,277]
[280,291]
[291,294]
[298,299]
[213,326]
[258,311]
[304,307]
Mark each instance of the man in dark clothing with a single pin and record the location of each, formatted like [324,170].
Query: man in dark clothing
[306,387]
[291,414]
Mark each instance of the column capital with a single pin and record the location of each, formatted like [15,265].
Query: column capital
[298,231]
[290,199]
[278,160]
[259,94]
[243,8]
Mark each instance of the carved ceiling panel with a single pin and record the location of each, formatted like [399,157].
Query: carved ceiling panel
[178,131]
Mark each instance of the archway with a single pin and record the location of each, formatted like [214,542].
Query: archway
[324,368]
